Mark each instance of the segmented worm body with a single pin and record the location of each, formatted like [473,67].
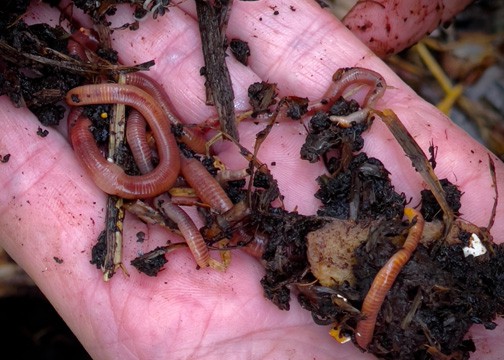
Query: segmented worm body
[74,115]
[385,278]
[108,176]
[192,235]
[76,50]
[136,135]
[191,137]
[163,202]
[204,184]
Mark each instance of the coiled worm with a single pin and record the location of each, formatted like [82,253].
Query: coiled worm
[204,184]
[108,176]
[191,137]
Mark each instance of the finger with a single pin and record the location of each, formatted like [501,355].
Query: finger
[387,27]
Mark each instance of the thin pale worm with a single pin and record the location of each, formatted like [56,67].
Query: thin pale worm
[347,121]
[344,78]
[204,184]
[385,278]
[192,235]
[191,137]
[108,176]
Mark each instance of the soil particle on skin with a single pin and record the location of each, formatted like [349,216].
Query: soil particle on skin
[140,237]
[5,158]
[363,191]
[296,107]
[240,49]
[42,132]
[151,263]
[325,135]
[99,251]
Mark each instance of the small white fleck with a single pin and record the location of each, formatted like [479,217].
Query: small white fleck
[475,247]
[345,340]
[342,297]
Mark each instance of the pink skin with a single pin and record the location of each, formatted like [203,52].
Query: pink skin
[388,27]
[49,207]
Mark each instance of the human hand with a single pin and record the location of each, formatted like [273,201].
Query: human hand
[50,208]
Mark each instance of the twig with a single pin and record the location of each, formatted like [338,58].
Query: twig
[419,160]
[491,165]
[115,210]
[13,55]
[212,20]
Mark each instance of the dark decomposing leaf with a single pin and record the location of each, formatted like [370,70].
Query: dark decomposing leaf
[152,262]
[261,96]
[420,162]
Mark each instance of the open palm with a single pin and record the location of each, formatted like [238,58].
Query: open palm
[50,209]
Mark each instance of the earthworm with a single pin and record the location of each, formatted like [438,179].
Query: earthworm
[356,117]
[192,235]
[226,175]
[141,152]
[385,278]
[255,246]
[73,116]
[108,176]
[137,140]
[76,50]
[252,244]
[204,184]
[343,78]
[86,38]
[192,138]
